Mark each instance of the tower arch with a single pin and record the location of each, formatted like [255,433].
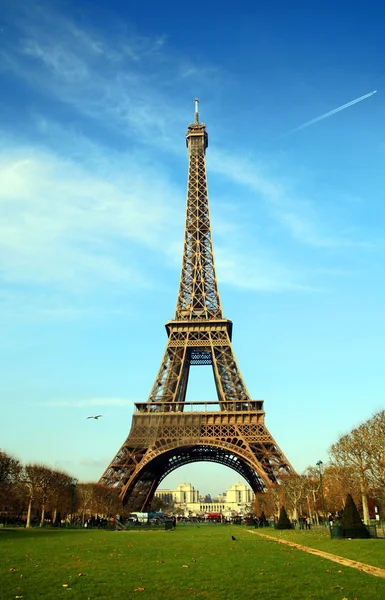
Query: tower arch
[166,429]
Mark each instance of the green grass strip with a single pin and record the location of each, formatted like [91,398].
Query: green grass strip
[338,559]
[371,551]
[189,563]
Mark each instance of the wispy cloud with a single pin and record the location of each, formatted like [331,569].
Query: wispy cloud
[263,274]
[78,215]
[63,224]
[123,81]
[26,303]
[87,403]
[87,468]
[298,216]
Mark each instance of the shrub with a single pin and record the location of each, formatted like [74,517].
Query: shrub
[262,520]
[351,523]
[283,521]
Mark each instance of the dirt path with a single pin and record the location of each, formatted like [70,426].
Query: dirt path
[338,559]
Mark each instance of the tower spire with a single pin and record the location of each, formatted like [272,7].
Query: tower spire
[196,120]
[168,431]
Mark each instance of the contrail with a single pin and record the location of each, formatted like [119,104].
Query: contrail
[331,112]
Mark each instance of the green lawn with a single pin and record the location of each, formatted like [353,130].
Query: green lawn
[371,552]
[190,562]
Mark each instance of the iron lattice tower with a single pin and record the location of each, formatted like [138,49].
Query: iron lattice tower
[168,432]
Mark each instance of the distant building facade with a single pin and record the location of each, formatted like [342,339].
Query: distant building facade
[237,500]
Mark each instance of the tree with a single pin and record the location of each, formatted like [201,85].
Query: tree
[10,472]
[336,481]
[32,478]
[45,486]
[84,496]
[295,489]
[61,497]
[262,520]
[106,500]
[351,523]
[268,501]
[10,469]
[283,521]
[16,502]
[351,452]
[375,436]
[158,504]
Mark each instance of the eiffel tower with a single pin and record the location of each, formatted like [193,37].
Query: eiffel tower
[167,431]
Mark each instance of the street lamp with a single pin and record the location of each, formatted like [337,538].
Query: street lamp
[319,465]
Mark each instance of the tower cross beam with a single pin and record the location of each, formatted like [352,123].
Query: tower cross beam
[167,430]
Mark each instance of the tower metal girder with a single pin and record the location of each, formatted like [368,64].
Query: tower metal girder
[167,431]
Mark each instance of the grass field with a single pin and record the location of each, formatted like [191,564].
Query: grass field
[191,562]
[371,552]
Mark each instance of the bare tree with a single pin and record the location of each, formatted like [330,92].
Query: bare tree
[296,489]
[93,498]
[84,497]
[10,469]
[313,493]
[260,504]
[32,483]
[106,500]
[61,494]
[268,501]
[337,480]
[375,435]
[10,473]
[44,485]
[351,452]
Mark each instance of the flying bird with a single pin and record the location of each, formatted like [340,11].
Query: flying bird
[94,417]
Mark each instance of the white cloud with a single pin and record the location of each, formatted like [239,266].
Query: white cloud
[66,228]
[299,217]
[64,224]
[122,80]
[76,227]
[263,273]
[87,403]
[82,217]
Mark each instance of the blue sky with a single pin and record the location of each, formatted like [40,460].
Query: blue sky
[94,105]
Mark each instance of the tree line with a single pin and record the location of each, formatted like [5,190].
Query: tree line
[356,466]
[35,493]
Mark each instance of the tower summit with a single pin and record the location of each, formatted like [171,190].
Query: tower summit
[167,431]
[196,101]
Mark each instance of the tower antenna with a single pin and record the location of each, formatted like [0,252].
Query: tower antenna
[167,430]
[196,110]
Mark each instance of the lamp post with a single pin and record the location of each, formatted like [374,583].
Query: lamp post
[319,465]
[379,515]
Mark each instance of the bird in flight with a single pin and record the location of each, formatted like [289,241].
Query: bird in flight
[94,417]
